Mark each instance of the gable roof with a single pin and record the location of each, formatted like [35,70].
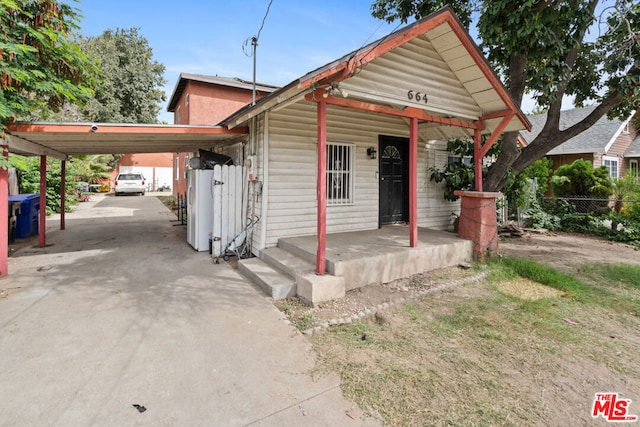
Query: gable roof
[634,148]
[434,56]
[597,139]
[234,82]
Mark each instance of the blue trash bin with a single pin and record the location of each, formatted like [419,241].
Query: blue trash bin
[27,218]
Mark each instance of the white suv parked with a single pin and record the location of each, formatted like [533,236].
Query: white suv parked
[129,183]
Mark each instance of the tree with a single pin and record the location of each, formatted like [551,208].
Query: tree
[41,65]
[132,88]
[541,47]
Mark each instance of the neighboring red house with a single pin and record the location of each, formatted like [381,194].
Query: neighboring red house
[606,143]
[207,100]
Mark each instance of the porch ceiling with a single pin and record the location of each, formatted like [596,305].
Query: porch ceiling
[61,140]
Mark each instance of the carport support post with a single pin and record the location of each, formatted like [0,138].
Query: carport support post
[43,201]
[4,213]
[322,188]
[413,183]
[63,191]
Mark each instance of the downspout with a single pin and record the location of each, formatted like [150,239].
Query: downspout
[4,212]
[43,202]
[322,188]
[63,192]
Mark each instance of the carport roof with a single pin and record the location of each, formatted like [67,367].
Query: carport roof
[61,140]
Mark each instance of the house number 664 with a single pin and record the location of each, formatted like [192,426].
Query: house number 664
[418,96]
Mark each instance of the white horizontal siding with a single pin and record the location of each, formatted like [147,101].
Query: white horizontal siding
[292,167]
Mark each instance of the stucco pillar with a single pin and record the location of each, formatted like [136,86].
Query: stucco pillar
[478,221]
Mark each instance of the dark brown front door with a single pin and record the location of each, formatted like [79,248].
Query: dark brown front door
[394,179]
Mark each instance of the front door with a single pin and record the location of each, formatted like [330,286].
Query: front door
[394,180]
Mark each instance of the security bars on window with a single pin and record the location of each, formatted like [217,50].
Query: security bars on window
[339,174]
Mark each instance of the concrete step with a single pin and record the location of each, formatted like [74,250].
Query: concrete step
[287,245]
[286,262]
[275,284]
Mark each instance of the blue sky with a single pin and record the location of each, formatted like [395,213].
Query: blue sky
[207,37]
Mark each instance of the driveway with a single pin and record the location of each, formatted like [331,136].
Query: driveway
[118,310]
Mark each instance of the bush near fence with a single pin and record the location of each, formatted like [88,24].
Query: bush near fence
[587,215]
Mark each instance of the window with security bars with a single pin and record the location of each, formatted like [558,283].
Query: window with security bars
[339,174]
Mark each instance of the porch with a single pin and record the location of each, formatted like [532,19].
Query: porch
[353,260]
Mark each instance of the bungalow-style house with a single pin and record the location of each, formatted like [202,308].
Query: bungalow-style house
[206,100]
[606,143]
[339,161]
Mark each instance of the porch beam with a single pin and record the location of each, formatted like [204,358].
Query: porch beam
[4,213]
[407,113]
[43,202]
[63,191]
[496,133]
[322,188]
[413,183]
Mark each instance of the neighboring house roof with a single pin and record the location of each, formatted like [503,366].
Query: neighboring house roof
[634,148]
[216,80]
[434,56]
[597,139]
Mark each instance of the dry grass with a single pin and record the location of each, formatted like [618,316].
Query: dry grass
[503,352]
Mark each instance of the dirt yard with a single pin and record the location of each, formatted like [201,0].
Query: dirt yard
[562,250]
[506,352]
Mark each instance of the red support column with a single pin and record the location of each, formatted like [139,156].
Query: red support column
[477,158]
[63,191]
[322,188]
[4,214]
[413,183]
[43,202]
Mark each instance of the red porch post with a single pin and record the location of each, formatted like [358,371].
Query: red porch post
[63,191]
[477,158]
[43,201]
[4,214]
[322,188]
[413,183]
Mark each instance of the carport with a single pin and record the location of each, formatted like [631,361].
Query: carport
[62,140]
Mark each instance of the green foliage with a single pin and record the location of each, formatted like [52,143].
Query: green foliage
[41,66]
[458,175]
[518,190]
[131,91]
[581,179]
[402,10]
[539,48]
[29,177]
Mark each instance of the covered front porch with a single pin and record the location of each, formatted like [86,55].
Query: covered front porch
[353,260]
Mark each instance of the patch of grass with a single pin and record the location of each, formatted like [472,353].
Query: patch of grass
[574,288]
[626,275]
[306,321]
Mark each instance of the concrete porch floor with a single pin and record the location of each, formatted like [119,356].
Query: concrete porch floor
[382,255]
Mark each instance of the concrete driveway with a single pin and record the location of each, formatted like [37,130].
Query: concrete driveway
[118,310]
